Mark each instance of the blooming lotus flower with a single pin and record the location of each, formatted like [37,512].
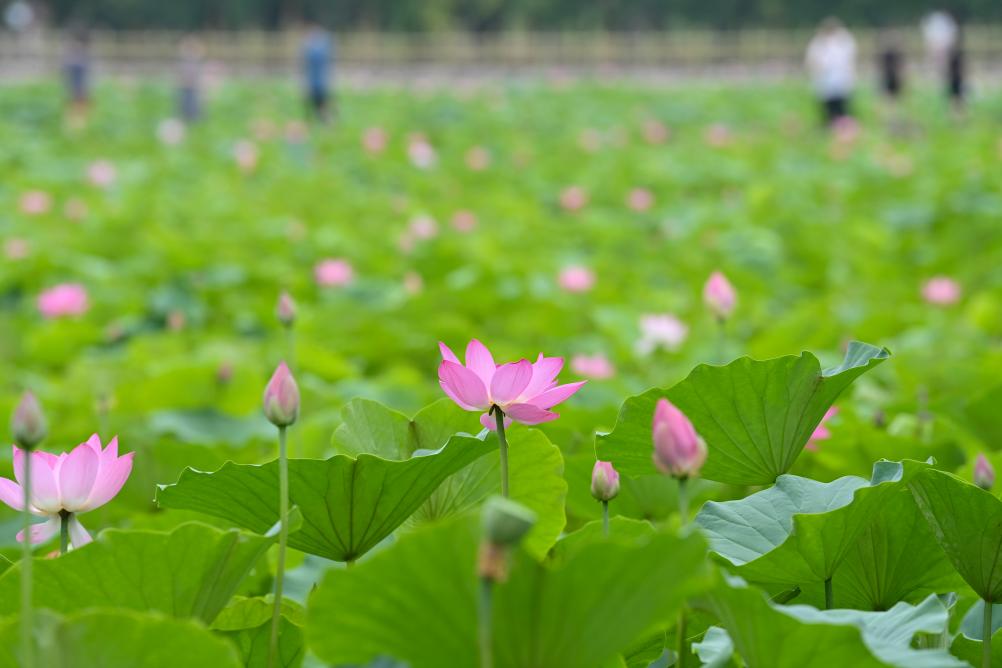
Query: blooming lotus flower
[719,295]
[421,153]
[573,198]
[640,199]
[941,291]
[333,272]
[281,397]
[576,279]
[423,227]
[678,449]
[595,366]
[102,173]
[35,202]
[83,479]
[984,472]
[604,481]
[662,330]
[821,432]
[63,300]
[524,391]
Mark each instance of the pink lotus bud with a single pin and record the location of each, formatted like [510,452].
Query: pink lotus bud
[678,449]
[285,310]
[281,398]
[464,221]
[576,279]
[640,199]
[655,132]
[28,422]
[719,295]
[573,198]
[984,473]
[333,272]
[941,291]
[604,481]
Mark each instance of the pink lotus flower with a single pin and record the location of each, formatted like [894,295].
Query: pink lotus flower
[374,140]
[640,199]
[16,249]
[595,366]
[333,272]
[413,283]
[678,449]
[604,481]
[576,279]
[478,158]
[64,299]
[573,198]
[941,291]
[523,390]
[719,295]
[102,173]
[75,482]
[655,132]
[281,397]
[717,135]
[821,432]
[170,132]
[984,472]
[661,330]
[423,227]
[35,202]
[464,221]
[246,154]
[421,153]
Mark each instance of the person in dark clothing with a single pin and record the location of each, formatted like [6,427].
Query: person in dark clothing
[317,57]
[76,69]
[189,85]
[892,62]
[956,78]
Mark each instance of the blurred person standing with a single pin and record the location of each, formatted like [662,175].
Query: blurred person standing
[77,73]
[891,63]
[191,55]
[317,57]
[831,62]
[956,76]
[945,50]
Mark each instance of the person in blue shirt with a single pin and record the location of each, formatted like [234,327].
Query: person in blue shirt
[317,57]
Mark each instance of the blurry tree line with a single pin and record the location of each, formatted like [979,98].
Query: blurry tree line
[496,15]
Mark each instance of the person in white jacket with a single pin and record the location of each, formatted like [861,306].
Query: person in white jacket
[831,63]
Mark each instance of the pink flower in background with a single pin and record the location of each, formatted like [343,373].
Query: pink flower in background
[984,472]
[64,299]
[523,390]
[576,279]
[655,132]
[374,140]
[941,291]
[16,249]
[821,432]
[719,295]
[678,449]
[464,221]
[75,209]
[640,199]
[717,135]
[420,152]
[423,227]
[102,173]
[478,158]
[246,155]
[604,481]
[333,272]
[83,479]
[413,283]
[573,198]
[595,366]
[661,330]
[170,132]
[35,202]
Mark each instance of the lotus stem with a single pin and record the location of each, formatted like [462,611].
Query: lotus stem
[503,446]
[283,536]
[605,517]
[829,595]
[683,502]
[64,531]
[680,645]
[27,610]
[485,622]
[986,637]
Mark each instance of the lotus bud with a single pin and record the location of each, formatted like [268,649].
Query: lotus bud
[281,398]
[678,449]
[984,473]
[719,295]
[28,422]
[285,311]
[604,481]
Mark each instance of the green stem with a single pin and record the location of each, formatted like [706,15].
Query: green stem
[27,612]
[485,623]
[681,648]
[605,517]
[290,360]
[683,502]
[503,445]
[721,339]
[829,595]
[986,637]
[283,536]
[64,531]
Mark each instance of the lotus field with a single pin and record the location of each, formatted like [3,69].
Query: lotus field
[508,376]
